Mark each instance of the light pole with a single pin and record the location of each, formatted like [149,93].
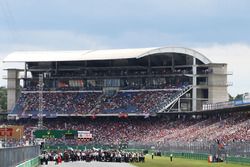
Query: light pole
[41,107]
[5,135]
[4,129]
[19,130]
[32,135]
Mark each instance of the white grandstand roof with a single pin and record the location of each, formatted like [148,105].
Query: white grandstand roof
[84,55]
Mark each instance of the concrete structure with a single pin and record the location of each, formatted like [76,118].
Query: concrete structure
[208,79]
[13,86]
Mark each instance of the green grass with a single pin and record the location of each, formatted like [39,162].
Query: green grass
[179,162]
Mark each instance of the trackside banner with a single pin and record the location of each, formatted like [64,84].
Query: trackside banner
[11,132]
[84,135]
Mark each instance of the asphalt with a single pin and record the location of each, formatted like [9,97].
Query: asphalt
[88,164]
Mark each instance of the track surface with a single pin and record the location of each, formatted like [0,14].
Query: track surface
[88,164]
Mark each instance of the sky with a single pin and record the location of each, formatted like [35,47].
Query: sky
[219,29]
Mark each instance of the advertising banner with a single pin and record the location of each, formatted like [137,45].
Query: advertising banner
[84,135]
[54,133]
[11,132]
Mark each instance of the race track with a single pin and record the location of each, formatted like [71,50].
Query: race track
[89,164]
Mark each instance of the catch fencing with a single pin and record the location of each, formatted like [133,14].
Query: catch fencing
[233,152]
[236,149]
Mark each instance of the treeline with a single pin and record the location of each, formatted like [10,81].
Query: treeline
[3,99]
[239,97]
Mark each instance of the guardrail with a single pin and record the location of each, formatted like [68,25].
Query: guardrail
[14,156]
[226,104]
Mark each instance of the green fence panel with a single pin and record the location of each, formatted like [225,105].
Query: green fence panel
[238,160]
[53,133]
[30,163]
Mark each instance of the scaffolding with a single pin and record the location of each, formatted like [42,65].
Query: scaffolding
[40,114]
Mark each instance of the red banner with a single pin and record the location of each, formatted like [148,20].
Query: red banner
[11,132]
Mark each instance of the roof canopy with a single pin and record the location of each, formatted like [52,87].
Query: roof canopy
[85,55]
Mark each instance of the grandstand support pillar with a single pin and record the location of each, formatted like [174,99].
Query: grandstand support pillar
[25,70]
[25,74]
[179,105]
[149,65]
[56,67]
[12,88]
[194,90]
[172,68]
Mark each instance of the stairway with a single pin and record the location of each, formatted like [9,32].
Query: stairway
[167,103]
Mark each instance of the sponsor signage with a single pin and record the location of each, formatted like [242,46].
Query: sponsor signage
[11,132]
[84,135]
[54,133]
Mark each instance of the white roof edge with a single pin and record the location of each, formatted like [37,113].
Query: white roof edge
[182,50]
[84,55]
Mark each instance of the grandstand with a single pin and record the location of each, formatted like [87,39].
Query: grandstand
[170,99]
[144,81]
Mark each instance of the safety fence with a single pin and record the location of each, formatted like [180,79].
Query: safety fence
[12,157]
[197,156]
[233,149]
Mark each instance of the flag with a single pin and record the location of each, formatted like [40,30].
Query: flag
[123,115]
[93,116]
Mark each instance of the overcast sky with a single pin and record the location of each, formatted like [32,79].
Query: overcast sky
[220,29]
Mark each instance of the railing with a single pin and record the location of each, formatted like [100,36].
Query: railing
[234,152]
[226,104]
[232,149]
[220,105]
[11,157]
[167,103]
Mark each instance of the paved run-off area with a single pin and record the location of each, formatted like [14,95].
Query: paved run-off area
[88,164]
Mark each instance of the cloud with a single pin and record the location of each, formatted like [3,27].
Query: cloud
[236,55]
[49,40]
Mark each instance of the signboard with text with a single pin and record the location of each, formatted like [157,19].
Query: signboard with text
[84,135]
[54,133]
[11,132]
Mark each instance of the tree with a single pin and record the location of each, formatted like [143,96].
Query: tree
[231,98]
[239,97]
[3,99]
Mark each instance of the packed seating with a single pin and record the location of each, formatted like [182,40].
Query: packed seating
[91,102]
[114,130]
[56,102]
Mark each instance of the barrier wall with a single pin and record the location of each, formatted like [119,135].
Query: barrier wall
[12,157]
[30,163]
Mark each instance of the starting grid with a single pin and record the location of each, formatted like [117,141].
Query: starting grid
[88,164]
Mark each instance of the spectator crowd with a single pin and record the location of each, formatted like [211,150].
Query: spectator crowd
[113,130]
[79,102]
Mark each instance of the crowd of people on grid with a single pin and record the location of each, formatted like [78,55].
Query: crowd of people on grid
[91,155]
